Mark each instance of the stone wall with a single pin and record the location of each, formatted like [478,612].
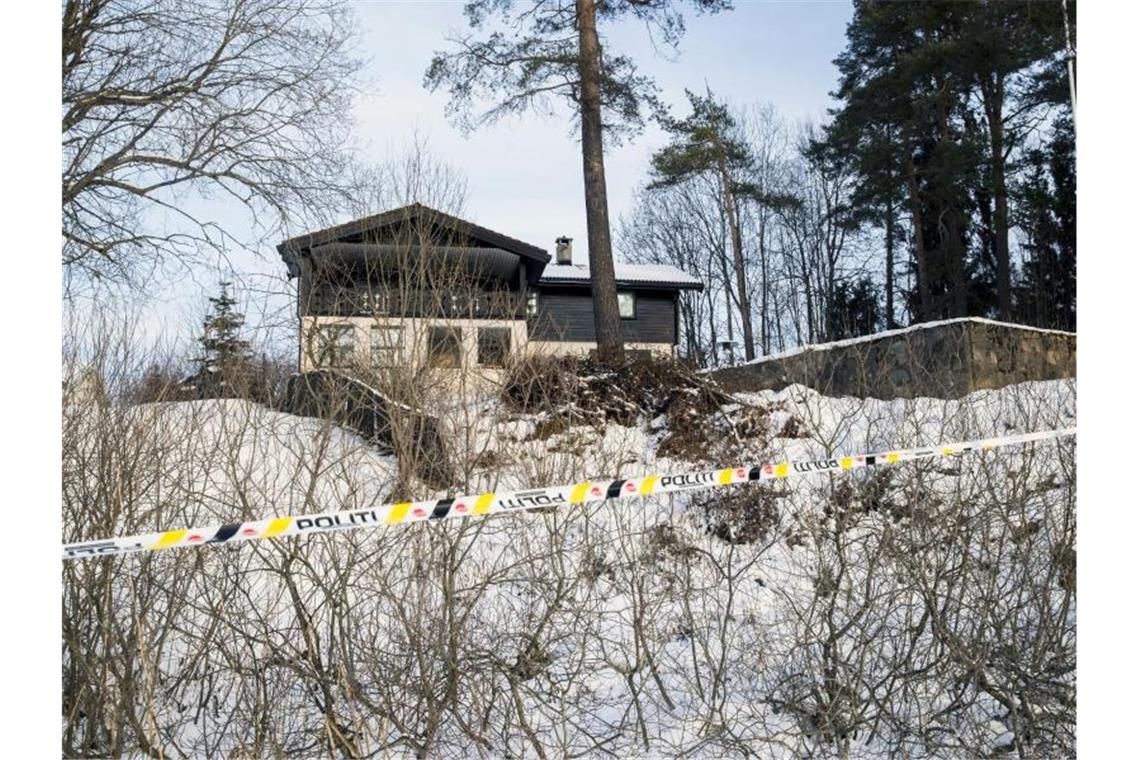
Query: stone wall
[940,360]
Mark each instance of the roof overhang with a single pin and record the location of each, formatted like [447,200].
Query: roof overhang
[469,260]
[444,230]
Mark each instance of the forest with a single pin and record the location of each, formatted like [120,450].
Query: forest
[941,185]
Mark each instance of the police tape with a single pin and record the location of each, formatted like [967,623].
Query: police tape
[478,505]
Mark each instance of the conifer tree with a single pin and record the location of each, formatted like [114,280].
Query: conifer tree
[706,142]
[225,361]
[555,50]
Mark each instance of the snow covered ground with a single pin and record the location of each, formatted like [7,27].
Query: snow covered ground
[924,610]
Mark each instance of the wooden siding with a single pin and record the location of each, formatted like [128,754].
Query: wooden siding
[567,314]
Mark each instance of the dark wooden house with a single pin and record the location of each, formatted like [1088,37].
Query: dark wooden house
[415,286]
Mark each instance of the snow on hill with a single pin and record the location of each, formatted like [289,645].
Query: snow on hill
[206,462]
[923,610]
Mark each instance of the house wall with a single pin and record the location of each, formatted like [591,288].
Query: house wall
[412,349]
[567,315]
[583,348]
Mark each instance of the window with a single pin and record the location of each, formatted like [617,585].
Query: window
[445,347]
[627,306]
[386,342]
[335,345]
[494,346]
[532,303]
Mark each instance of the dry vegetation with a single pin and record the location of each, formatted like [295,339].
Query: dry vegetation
[925,610]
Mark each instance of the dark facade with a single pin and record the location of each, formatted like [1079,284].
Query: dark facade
[567,314]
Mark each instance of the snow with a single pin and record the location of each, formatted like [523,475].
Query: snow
[226,460]
[661,274]
[701,653]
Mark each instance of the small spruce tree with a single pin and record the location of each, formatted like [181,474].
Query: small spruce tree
[225,364]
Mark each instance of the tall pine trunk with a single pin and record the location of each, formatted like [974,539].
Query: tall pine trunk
[728,301]
[890,274]
[737,256]
[765,326]
[607,320]
[920,259]
[993,92]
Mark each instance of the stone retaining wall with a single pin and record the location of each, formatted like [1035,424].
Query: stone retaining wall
[940,360]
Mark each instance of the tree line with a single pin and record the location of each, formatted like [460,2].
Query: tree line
[942,185]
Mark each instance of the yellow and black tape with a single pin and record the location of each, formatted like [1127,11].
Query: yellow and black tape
[490,503]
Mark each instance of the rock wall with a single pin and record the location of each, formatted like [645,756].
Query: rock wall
[940,360]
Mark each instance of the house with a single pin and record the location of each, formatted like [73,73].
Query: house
[413,286]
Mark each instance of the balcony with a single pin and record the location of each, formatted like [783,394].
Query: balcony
[465,304]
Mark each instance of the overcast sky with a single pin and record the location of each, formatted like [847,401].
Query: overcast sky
[525,174]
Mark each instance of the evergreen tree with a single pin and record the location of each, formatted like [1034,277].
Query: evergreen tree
[705,142]
[937,96]
[224,366]
[1046,291]
[555,49]
[854,310]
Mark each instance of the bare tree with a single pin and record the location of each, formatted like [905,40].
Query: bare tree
[167,104]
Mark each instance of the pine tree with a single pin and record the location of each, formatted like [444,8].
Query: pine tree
[706,142]
[225,363]
[1046,292]
[938,101]
[556,50]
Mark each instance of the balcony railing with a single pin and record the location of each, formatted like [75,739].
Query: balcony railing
[352,302]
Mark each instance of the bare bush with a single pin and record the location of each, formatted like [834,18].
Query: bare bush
[921,610]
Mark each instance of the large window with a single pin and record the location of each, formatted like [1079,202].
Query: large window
[335,345]
[627,305]
[494,346]
[445,347]
[386,343]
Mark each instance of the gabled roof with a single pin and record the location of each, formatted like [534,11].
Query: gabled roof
[288,249]
[630,275]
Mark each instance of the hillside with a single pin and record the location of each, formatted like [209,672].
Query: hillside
[923,610]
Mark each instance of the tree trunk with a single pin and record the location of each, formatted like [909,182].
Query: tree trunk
[765,327]
[728,299]
[890,285]
[737,256]
[920,262]
[993,92]
[1070,61]
[607,320]
[956,256]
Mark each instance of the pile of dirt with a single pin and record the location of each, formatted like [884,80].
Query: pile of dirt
[568,391]
[620,393]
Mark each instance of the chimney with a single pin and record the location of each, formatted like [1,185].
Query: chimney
[563,253]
